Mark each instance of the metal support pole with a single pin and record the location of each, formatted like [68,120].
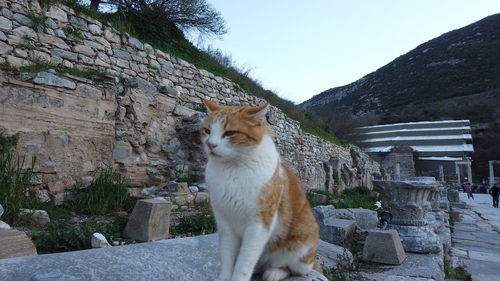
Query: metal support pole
[469,173]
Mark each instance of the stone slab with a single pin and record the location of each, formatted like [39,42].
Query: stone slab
[193,258]
[14,243]
[384,246]
[415,266]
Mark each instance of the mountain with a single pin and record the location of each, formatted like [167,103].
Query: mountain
[454,76]
[460,69]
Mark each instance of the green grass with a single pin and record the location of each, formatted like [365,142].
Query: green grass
[61,236]
[15,181]
[197,224]
[107,192]
[358,197]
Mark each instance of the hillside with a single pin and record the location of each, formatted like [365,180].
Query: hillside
[454,76]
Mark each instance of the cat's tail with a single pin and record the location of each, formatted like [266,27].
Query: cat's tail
[318,267]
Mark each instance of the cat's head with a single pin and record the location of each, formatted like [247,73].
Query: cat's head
[230,131]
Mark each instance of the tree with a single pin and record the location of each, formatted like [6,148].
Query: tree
[185,14]
[94,4]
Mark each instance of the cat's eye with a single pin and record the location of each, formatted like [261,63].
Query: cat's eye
[206,131]
[229,133]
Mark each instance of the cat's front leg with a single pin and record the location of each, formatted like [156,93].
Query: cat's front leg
[228,247]
[254,240]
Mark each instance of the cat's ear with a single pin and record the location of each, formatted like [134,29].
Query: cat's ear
[259,112]
[211,106]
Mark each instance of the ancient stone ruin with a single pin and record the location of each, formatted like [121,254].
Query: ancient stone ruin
[141,116]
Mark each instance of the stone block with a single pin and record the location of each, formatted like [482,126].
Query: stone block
[149,221]
[384,246]
[15,243]
[365,219]
[419,239]
[336,230]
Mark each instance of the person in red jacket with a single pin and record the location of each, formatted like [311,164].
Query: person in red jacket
[468,190]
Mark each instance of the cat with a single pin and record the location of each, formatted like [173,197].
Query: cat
[264,221]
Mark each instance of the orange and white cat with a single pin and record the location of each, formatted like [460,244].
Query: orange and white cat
[264,221]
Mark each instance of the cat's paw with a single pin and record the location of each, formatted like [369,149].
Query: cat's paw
[274,274]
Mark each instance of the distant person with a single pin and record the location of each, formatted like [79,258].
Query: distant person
[495,193]
[468,190]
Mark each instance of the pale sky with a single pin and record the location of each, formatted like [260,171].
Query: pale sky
[301,48]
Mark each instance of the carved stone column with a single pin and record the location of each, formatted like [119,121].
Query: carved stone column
[409,201]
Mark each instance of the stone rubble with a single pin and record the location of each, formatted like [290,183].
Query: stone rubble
[40,217]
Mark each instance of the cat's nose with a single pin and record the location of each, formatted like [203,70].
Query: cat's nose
[211,146]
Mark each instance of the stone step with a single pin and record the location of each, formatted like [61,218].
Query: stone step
[14,243]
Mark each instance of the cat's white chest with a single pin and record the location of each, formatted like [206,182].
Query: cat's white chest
[235,188]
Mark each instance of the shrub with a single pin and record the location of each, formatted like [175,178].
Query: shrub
[108,192]
[15,183]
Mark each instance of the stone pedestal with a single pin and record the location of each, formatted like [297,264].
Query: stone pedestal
[149,221]
[409,201]
[14,243]
[384,246]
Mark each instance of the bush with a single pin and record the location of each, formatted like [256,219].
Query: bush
[62,236]
[15,183]
[107,193]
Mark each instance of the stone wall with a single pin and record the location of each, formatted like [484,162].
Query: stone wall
[145,123]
